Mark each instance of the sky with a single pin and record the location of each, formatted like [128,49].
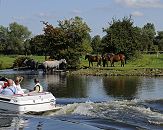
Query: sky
[96,13]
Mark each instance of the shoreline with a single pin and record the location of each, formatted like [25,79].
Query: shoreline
[110,71]
[118,72]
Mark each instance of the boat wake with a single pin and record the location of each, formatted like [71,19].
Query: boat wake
[133,113]
[118,114]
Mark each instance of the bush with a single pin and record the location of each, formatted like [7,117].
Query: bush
[1,64]
[18,62]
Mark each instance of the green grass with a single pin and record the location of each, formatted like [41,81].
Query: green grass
[146,61]
[6,61]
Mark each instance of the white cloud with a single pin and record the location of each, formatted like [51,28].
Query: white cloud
[137,14]
[20,18]
[141,3]
[45,15]
[76,12]
[102,8]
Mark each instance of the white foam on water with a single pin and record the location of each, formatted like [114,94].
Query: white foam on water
[123,111]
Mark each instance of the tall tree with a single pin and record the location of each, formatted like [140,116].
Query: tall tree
[122,36]
[3,39]
[148,33]
[17,36]
[76,33]
[159,40]
[96,43]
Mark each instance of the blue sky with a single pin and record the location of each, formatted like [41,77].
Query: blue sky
[96,13]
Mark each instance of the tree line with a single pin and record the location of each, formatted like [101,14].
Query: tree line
[71,39]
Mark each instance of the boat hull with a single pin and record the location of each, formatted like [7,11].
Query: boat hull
[31,102]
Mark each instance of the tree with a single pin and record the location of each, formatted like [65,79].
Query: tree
[148,33]
[76,39]
[37,45]
[96,43]
[121,36]
[3,38]
[159,40]
[17,34]
[12,38]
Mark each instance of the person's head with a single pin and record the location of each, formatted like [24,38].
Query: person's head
[5,84]
[18,79]
[36,80]
[10,82]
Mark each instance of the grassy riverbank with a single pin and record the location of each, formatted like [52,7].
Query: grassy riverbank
[147,65]
[151,65]
[119,71]
[6,61]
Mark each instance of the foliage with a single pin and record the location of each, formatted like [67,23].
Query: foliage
[159,40]
[70,40]
[37,45]
[96,44]
[122,36]
[148,34]
[12,38]
[18,62]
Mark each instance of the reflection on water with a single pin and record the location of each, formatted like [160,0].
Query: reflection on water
[93,87]
[124,87]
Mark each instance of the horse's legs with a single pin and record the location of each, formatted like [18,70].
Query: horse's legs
[111,63]
[92,64]
[122,63]
[99,63]
[106,63]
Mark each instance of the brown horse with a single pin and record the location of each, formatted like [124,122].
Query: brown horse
[93,58]
[105,58]
[117,57]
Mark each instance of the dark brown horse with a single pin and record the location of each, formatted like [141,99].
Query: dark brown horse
[105,58]
[117,57]
[93,58]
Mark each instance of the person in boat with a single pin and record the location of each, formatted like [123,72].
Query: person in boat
[17,82]
[10,89]
[3,85]
[37,87]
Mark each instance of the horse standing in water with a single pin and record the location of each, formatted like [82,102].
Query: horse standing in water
[31,64]
[93,58]
[55,64]
[117,57]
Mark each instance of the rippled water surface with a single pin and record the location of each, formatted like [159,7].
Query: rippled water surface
[92,103]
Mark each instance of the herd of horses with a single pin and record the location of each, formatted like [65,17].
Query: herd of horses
[61,64]
[105,58]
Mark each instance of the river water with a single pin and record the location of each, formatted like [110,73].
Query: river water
[92,103]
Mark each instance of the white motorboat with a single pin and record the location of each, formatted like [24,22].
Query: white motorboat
[29,102]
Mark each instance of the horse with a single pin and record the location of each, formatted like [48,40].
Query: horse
[93,58]
[55,64]
[117,57]
[106,58]
[30,63]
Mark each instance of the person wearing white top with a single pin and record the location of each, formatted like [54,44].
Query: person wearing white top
[37,87]
[17,85]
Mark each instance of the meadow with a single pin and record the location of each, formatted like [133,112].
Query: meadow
[6,61]
[147,64]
